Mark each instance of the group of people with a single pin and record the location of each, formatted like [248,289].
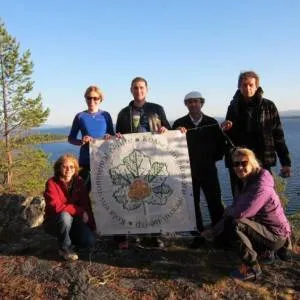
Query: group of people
[249,138]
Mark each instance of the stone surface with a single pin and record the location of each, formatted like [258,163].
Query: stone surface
[31,269]
[18,214]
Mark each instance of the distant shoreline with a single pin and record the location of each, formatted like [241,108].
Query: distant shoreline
[62,140]
[290,117]
[67,128]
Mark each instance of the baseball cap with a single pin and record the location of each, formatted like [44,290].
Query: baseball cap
[193,95]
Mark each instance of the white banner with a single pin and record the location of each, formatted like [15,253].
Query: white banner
[141,183]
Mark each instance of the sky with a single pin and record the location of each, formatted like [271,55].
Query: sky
[178,46]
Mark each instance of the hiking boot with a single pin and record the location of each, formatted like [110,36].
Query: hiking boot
[267,257]
[123,245]
[197,242]
[152,242]
[160,244]
[246,272]
[68,254]
[284,254]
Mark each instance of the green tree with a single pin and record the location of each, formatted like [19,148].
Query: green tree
[18,111]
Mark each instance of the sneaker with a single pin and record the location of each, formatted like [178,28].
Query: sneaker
[267,257]
[245,272]
[68,254]
[197,242]
[160,244]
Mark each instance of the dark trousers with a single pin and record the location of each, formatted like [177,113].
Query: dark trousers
[252,237]
[69,231]
[211,188]
[85,174]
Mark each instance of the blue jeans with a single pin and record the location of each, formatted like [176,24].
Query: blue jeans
[69,231]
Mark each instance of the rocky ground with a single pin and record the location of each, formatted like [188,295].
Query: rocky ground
[30,268]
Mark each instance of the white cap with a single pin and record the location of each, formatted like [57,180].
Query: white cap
[193,95]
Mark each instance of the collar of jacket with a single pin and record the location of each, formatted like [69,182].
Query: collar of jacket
[258,95]
[252,178]
[131,104]
[65,186]
[204,120]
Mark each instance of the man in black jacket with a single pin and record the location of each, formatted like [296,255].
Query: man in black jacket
[206,145]
[140,115]
[253,122]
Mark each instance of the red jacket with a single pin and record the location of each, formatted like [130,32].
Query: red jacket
[59,200]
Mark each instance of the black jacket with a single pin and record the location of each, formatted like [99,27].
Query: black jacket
[206,143]
[124,120]
[269,134]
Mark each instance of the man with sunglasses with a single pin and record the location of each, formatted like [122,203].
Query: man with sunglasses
[253,121]
[206,145]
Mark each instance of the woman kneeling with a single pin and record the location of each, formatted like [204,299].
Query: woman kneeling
[68,213]
[256,216]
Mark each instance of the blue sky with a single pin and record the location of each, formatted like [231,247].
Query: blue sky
[177,47]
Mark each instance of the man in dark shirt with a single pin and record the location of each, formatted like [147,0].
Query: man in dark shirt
[142,116]
[253,121]
[206,145]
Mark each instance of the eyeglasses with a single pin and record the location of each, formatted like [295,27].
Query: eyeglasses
[92,98]
[243,163]
[68,167]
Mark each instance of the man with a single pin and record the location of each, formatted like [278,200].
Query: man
[253,122]
[206,145]
[142,116]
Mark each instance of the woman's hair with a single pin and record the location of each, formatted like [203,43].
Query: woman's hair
[61,160]
[252,160]
[94,88]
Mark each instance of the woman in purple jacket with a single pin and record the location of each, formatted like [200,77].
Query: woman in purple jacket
[256,215]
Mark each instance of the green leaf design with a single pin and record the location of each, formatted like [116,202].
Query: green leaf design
[160,195]
[158,173]
[137,163]
[120,175]
[162,192]
[120,195]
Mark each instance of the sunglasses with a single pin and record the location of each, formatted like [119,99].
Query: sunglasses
[243,163]
[92,98]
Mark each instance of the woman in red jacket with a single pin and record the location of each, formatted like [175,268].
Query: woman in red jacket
[68,213]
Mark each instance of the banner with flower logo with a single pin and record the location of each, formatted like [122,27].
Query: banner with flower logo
[141,183]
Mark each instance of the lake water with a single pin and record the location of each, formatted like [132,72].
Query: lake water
[292,135]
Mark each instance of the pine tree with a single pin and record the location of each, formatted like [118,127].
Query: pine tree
[18,111]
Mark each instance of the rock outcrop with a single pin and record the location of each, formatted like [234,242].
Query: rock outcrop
[18,214]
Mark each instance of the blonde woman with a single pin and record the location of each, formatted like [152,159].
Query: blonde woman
[91,123]
[68,214]
[256,217]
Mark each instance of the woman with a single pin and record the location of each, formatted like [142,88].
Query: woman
[91,123]
[256,215]
[68,214]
